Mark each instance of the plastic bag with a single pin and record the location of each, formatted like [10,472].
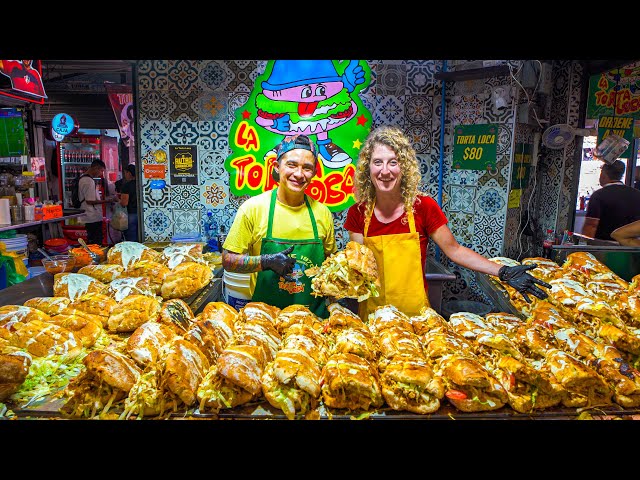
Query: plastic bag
[120,218]
[14,268]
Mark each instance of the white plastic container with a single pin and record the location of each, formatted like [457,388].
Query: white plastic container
[236,289]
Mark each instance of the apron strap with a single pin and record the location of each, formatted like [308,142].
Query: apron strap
[313,219]
[272,208]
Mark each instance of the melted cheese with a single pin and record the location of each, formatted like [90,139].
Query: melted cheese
[77,284]
[123,287]
[130,252]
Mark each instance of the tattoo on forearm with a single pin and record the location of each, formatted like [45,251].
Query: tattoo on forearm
[238,262]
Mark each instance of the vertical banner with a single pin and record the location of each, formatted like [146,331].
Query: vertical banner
[183,162]
[474,147]
[121,100]
[521,166]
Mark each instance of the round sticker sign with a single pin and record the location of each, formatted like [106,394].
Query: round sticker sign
[62,124]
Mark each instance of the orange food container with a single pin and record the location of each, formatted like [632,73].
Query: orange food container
[82,256]
[51,211]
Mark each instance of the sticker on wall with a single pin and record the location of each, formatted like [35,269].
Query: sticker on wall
[318,98]
[514,198]
[474,146]
[154,171]
[157,184]
[621,126]
[183,161]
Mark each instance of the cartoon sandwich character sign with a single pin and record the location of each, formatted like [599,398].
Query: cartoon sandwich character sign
[317,98]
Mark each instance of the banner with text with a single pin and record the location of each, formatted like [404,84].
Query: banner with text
[183,162]
[621,126]
[121,100]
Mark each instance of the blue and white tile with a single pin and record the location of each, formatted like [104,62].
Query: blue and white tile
[420,77]
[185,105]
[214,75]
[238,100]
[488,235]
[467,110]
[184,133]
[461,198]
[390,111]
[156,133]
[186,221]
[491,198]
[185,196]
[420,137]
[466,177]
[158,224]
[156,105]
[392,79]
[211,165]
[156,197]
[241,75]
[418,109]
[214,194]
[461,225]
[184,76]
[212,105]
[152,75]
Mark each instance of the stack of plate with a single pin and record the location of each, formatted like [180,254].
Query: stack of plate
[17,244]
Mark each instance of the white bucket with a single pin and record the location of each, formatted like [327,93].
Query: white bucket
[236,289]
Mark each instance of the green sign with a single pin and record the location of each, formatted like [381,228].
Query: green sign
[621,126]
[521,166]
[474,147]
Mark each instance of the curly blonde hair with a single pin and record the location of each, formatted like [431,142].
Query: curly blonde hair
[396,140]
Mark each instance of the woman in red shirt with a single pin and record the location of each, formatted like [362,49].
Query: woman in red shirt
[395,221]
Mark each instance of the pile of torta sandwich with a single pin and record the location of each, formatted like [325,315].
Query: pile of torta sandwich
[575,350]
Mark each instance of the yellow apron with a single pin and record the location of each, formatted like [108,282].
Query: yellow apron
[400,271]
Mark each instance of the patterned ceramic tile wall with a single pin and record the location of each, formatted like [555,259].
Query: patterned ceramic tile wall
[193,103]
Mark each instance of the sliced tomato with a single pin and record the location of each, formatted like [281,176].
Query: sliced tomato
[455,395]
[326,328]
[512,380]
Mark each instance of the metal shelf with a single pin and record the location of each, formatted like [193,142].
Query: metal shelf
[4,227]
[474,73]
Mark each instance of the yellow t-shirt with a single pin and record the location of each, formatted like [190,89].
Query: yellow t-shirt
[293,223]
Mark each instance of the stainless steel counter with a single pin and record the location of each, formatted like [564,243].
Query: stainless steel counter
[436,275]
[624,261]
[16,226]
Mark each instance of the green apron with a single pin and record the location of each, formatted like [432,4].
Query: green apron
[273,289]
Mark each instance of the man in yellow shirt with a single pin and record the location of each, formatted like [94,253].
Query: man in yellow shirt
[278,234]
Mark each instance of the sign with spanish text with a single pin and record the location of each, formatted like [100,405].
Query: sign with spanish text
[22,79]
[521,165]
[63,124]
[152,170]
[621,126]
[317,98]
[183,161]
[474,147]
[616,92]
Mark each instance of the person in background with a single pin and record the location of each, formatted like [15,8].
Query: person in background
[395,221]
[91,202]
[278,234]
[636,180]
[613,205]
[129,199]
[628,235]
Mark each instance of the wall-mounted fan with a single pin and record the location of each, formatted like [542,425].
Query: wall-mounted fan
[560,135]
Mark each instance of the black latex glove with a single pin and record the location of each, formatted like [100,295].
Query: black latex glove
[519,279]
[280,262]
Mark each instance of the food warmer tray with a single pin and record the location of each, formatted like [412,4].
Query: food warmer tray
[497,294]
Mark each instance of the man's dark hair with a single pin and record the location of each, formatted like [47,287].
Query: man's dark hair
[131,168]
[614,170]
[98,163]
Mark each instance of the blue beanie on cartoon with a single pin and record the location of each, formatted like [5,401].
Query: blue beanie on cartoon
[293,73]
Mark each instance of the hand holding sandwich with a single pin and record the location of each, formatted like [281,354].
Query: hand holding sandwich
[523,282]
[280,262]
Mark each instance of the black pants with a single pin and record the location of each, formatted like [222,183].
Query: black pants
[94,232]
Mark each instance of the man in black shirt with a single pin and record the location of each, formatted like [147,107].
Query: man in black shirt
[613,206]
[129,199]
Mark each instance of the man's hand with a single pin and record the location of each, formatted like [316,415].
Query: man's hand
[518,278]
[281,263]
